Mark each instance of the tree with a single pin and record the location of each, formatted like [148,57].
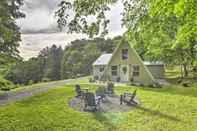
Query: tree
[164,30]
[53,63]
[9,31]
[82,9]
[46,65]
[26,71]
[79,56]
[73,64]
[185,40]
[9,34]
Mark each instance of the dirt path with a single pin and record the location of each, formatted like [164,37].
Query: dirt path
[11,96]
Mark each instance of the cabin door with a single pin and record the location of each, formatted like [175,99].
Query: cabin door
[124,73]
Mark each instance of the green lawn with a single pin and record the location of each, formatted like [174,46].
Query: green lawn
[166,109]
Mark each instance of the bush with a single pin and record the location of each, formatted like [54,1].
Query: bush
[132,84]
[118,79]
[96,77]
[186,84]
[30,82]
[157,85]
[142,85]
[91,80]
[179,81]
[46,79]
[6,88]
[110,87]
[6,85]
[151,85]
[131,80]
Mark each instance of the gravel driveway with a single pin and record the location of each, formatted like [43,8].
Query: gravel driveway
[11,96]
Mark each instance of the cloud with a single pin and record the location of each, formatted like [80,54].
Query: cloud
[30,5]
[39,27]
[115,17]
[38,21]
[32,43]
[40,17]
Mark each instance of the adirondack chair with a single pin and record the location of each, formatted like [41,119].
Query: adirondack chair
[90,102]
[80,92]
[128,98]
[110,88]
[100,92]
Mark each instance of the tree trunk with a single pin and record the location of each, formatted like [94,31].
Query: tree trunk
[181,71]
[185,70]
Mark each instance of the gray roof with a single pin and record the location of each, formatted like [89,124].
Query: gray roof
[103,59]
[153,63]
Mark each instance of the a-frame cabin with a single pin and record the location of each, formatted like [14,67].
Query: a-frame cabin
[124,65]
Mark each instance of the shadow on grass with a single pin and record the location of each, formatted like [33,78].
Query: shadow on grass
[158,113]
[101,117]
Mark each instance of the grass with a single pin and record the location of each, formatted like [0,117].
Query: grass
[161,109]
[171,108]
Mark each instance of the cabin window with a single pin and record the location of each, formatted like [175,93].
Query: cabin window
[136,70]
[124,54]
[101,69]
[114,70]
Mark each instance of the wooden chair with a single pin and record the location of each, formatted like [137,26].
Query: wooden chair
[80,92]
[128,98]
[110,88]
[100,92]
[90,102]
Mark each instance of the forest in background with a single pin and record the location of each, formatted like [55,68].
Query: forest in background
[55,63]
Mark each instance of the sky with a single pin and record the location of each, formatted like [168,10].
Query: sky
[39,27]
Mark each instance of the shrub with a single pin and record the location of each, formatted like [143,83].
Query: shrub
[5,88]
[110,87]
[179,81]
[17,86]
[91,80]
[186,84]
[96,77]
[132,84]
[6,85]
[151,85]
[110,84]
[131,80]
[46,79]
[118,79]
[157,85]
[142,85]
[30,82]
